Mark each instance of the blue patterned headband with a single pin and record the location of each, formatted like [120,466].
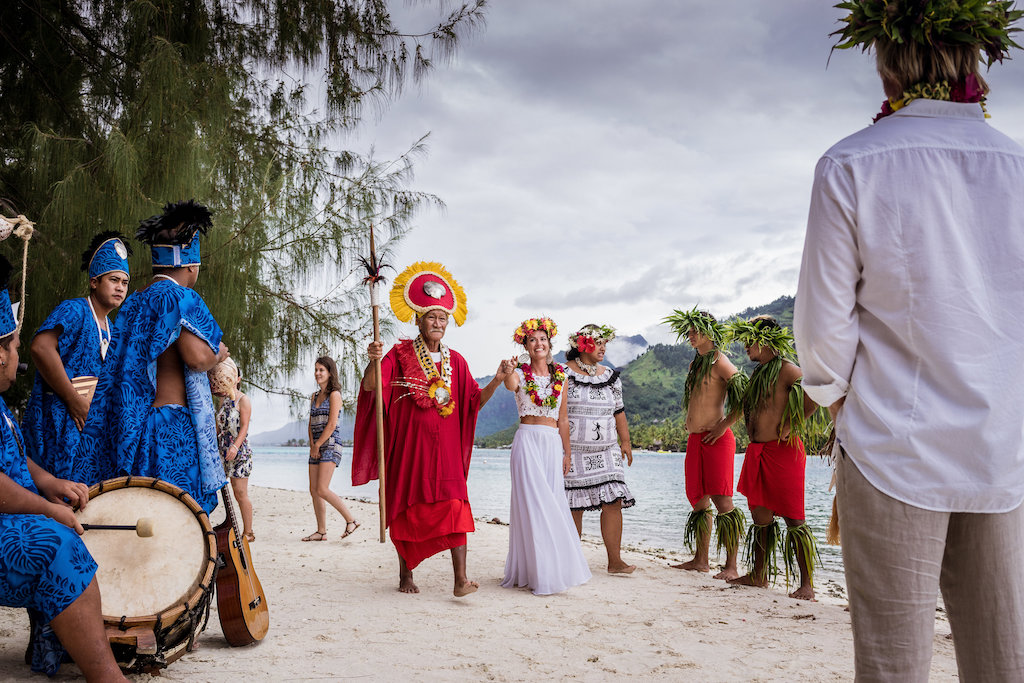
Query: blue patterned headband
[176,255]
[8,323]
[111,256]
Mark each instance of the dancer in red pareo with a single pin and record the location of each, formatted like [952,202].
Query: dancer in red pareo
[430,403]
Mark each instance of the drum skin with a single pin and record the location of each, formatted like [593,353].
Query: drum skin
[147,584]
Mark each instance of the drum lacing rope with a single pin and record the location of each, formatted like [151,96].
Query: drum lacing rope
[121,623]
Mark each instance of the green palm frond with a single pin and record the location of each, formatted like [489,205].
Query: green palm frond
[985,23]
[702,323]
[800,543]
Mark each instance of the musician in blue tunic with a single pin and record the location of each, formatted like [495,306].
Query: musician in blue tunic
[152,414]
[44,566]
[71,343]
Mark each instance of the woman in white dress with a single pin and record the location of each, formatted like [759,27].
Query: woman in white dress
[544,550]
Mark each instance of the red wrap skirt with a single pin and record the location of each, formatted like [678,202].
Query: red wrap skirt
[710,469]
[426,529]
[773,477]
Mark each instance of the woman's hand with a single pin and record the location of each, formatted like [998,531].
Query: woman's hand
[566,464]
[314,452]
[627,450]
[232,453]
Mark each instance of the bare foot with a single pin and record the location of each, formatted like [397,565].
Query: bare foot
[406,585]
[803,593]
[748,580]
[622,568]
[693,566]
[465,588]
[727,574]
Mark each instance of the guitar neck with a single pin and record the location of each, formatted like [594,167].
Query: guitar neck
[229,509]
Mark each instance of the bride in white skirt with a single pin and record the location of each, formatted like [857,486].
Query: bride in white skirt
[544,550]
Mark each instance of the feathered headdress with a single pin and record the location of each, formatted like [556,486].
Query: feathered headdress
[427,286]
[984,23]
[173,235]
[107,252]
[701,322]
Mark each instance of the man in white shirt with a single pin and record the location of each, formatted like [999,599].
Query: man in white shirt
[909,326]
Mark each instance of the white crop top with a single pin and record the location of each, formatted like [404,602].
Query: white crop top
[525,404]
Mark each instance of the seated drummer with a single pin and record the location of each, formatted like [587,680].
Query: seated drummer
[44,565]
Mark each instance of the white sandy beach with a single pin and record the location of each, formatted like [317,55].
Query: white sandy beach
[336,615]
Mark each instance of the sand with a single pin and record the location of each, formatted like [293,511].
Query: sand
[336,615]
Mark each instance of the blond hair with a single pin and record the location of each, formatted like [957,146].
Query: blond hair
[904,65]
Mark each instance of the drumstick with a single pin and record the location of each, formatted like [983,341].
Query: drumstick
[143,527]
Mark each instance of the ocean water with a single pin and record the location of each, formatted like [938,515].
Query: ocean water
[655,480]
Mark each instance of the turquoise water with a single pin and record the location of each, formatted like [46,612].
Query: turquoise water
[655,479]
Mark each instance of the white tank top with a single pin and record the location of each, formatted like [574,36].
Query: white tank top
[525,403]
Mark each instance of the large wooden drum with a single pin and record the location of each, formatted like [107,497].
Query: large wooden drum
[155,590]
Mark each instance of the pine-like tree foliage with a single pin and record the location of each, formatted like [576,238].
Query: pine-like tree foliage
[110,108]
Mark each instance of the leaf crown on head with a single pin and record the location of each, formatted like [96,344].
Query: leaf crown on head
[701,322]
[546,325]
[178,224]
[762,331]
[984,23]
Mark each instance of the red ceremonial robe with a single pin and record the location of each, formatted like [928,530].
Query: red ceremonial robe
[426,455]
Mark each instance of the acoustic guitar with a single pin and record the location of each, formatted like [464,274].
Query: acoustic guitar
[241,604]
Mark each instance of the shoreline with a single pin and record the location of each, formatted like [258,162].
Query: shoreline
[335,613]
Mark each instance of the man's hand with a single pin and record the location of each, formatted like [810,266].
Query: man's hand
[63,515]
[64,492]
[833,409]
[79,409]
[222,353]
[375,350]
[715,434]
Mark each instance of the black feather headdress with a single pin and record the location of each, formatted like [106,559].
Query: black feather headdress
[178,224]
[5,272]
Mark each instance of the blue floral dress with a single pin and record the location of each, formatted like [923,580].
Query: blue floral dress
[44,565]
[124,433]
[50,432]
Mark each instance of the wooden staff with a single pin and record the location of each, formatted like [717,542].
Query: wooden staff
[373,281]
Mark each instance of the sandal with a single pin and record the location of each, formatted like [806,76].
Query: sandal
[322,535]
[348,532]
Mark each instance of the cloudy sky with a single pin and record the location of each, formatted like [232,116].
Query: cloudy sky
[609,160]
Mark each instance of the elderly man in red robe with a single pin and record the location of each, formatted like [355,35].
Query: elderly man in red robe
[430,406]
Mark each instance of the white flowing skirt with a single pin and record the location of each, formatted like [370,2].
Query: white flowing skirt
[544,550]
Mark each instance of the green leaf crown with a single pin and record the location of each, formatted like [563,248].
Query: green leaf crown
[756,332]
[701,322]
[985,23]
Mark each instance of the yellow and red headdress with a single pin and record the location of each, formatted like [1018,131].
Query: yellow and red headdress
[427,286]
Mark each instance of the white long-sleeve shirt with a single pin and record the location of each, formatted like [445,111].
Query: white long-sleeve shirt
[911,305]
